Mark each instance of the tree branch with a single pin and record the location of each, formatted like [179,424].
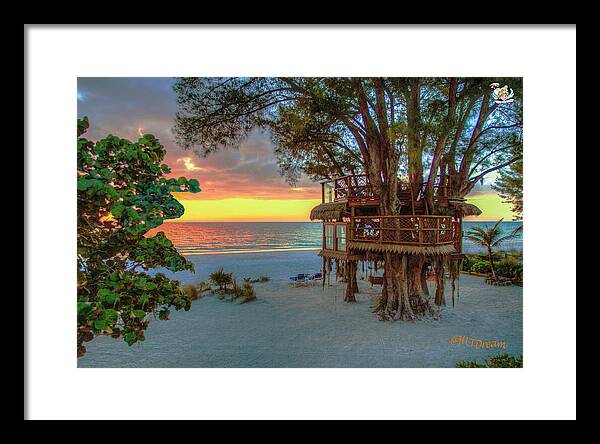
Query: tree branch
[497,150]
[497,167]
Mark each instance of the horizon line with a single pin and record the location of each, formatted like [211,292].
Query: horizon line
[172,221]
[256,221]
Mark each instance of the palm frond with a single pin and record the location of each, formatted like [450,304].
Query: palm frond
[502,239]
[477,231]
[518,229]
[478,240]
[495,231]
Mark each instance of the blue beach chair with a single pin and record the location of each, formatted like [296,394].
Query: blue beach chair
[298,279]
[316,278]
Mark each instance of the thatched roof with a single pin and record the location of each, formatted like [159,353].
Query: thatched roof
[328,211]
[340,255]
[466,209]
[403,249]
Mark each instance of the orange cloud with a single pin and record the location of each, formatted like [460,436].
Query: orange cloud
[188,164]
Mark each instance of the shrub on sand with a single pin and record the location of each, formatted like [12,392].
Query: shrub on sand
[507,266]
[258,279]
[481,267]
[516,253]
[244,292]
[191,292]
[510,267]
[498,361]
[247,293]
[202,286]
[468,263]
[236,291]
[221,279]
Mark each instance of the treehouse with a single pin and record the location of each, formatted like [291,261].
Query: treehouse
[353,229]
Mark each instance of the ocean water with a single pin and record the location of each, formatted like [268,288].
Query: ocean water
[239,237]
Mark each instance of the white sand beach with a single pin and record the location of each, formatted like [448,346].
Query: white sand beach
[291,326]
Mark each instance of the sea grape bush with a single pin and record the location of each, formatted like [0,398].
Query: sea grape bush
[508,267]
[481,267]
[122,193]
[499,361]
[191,291]
[476,265]
[468,263]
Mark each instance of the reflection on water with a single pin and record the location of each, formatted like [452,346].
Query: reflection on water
[190,237]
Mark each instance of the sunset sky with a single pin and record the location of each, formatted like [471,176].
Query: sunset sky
[237,185]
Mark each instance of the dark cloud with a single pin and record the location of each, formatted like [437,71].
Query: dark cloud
[126,104]
[122,106]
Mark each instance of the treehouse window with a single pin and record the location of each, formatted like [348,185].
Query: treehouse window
[340,233]
[329,237]
[328,188]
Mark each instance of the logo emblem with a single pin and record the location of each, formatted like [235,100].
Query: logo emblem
[502,95]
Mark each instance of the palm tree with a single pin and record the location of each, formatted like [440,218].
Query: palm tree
[490,238]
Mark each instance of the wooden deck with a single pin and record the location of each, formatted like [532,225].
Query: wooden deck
[411,231]
[403,230]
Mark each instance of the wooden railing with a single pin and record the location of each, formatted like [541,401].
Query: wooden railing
[352,187]
[358,187]
[410,230]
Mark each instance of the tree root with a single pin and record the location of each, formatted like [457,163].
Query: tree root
[403,296]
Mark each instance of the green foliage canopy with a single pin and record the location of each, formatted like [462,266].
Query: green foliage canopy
[499,361]
[509,185]
[122,193]
[332,126]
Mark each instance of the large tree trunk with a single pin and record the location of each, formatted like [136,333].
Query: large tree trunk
[402,294]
